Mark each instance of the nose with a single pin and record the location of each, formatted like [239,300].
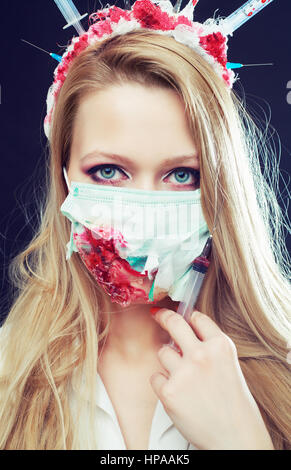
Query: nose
[145,182]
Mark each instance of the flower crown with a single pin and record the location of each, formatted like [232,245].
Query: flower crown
[208,39]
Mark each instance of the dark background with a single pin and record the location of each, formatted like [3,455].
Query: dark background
[27,73]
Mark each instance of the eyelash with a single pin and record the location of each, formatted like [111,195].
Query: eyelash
[94,169]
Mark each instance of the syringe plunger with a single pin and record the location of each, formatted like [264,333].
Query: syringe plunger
[71,15]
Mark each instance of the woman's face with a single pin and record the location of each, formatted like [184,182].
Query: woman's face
[135,137]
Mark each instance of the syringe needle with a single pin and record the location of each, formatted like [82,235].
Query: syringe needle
[52,54]
[37,47]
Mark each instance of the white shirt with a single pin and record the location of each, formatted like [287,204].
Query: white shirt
[163,434]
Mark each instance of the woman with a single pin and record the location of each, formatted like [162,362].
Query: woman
[227,385]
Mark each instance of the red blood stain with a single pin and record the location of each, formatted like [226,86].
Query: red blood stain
[112,272]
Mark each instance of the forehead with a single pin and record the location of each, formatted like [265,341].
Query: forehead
[131,117]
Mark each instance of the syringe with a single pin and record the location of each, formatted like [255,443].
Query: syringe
[236,65]
[243,14]
[71,15]
[198,270]
[52,54]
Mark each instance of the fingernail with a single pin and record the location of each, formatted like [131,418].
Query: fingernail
[154,310]
[176,347]
[195,313]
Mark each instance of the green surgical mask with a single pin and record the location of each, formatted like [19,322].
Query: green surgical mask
[137,244]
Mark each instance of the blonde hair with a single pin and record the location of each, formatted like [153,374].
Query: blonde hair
[54,326]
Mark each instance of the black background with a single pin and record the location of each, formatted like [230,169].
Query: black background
[26,74]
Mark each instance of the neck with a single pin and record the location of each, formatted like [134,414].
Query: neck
[133,332]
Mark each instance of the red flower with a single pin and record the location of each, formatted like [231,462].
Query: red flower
[151,16]
[215,44]
[117,13]
[103,27]
[183,20]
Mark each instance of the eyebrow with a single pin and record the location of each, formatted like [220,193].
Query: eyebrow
[128,161]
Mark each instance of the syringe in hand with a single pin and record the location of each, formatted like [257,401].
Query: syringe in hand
[198,270]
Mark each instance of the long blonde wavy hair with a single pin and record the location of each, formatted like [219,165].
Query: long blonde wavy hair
[54,331]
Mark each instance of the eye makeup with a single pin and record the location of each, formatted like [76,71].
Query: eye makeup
[107,173]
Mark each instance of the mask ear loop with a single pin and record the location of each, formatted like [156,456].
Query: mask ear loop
[70,244]
[66,178]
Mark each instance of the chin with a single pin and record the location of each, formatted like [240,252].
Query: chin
[134,292]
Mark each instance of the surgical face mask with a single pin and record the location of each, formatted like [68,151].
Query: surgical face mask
[137,244]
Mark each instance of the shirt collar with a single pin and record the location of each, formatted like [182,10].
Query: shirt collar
[161,420]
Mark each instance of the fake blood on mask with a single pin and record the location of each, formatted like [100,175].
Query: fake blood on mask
[112,272]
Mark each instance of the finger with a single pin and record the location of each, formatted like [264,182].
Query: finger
[177,327]
[204,327]
[170,359]
[158,381]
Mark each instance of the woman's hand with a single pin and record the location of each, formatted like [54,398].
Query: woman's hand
[205,393]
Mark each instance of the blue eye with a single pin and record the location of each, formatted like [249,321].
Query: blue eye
[186,176]
[113,174]
[107,172]
[182,176]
